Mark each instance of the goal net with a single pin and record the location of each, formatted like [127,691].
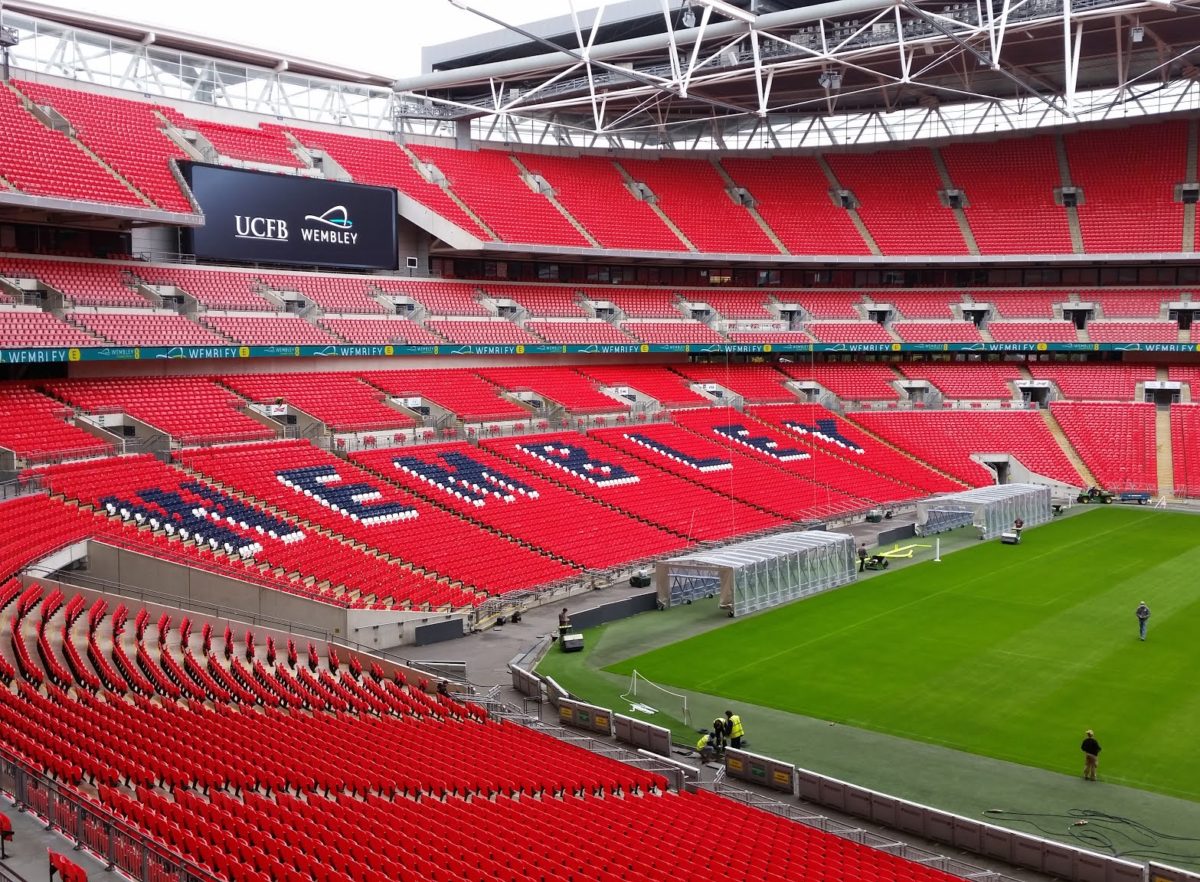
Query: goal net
[646,696]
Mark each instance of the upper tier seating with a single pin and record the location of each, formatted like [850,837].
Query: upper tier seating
[917,223]
[381,331]
[919,304]
[1134,210]
[586,332]
[1009,187]
[1133,332]
[438,297]
[614,478]
[490,183]
[850,381]
[331,293]
[543,301]
[561,385]
[35,428]
[775,446]
[791,337]
[734,304]
[639,302]
[1130,304]
[792,196]
[85,284]
[1115,441]
[1082,382]
[212,288]
[127,133]
[21,328]
[672,332]
[269,330]
[1033,332]
[146,329]
[463,394]
[382,162]
[815,427]
[39,161]
[576,530]
[721,466]
[1020,304]
[341,401]
[757,384]
[825,304]
[593,191]
[248,143]
[192,410]
[849,332]
[658,382]
[326,491]
[133,493]
[498,331]
[1185,448]
[694,196]
[947,439]
[937,332]
[989,380]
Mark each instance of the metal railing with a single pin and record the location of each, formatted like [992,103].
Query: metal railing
[92,827]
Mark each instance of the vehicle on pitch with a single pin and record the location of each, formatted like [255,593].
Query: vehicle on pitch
[1096,496]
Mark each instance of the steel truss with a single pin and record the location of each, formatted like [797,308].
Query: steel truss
[841,73]
[848,72]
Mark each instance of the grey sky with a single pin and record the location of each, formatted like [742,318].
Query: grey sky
[368,35]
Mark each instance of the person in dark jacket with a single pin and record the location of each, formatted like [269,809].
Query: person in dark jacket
[1143,616]
[1091,755]
[862,557]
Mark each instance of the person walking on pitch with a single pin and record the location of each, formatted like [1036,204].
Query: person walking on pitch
[1143,616]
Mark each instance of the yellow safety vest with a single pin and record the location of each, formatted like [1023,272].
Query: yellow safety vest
[703,742]
[735,727]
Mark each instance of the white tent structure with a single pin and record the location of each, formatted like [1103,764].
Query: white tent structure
[992,510]
[761,573]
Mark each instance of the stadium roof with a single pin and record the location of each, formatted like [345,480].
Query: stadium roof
[644,66]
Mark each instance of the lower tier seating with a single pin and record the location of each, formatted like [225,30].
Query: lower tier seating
[1116,441]
[470,398]
[947,439]
[327,492]
[255,762]
[816,427]
[484,488]
[592,469]
[720,466]
[1185,448]
[1085,382]
[850,381]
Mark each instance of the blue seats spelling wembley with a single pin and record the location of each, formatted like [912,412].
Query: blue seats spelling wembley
[196,511]
[700,464]
[466,478]
[359,501]
[825,430]
[739,434]
[576,460]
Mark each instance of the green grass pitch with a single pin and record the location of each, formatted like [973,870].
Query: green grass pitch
[1009,652]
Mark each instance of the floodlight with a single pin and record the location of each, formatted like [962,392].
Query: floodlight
[830,80]
[726,9]
[9,37]
[689,18]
